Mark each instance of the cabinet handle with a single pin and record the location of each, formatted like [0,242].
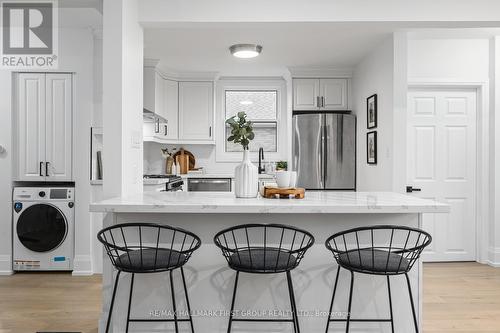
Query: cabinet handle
[40,172]
[210,131]
[166,130]
[157,125]
[322,101]
[318,104]
[47,169]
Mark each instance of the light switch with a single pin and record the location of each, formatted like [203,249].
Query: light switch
[136,139]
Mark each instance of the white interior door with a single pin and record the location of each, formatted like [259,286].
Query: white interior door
[441,161]
[59,127]
[31,127]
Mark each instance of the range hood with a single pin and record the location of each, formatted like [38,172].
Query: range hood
[151,117]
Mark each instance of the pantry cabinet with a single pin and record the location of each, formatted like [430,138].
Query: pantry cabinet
[44,127]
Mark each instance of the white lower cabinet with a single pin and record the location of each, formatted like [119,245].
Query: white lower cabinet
[44,127]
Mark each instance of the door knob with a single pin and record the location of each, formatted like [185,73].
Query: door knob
[410,189]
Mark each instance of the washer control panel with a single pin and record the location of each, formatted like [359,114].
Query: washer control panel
[43,194]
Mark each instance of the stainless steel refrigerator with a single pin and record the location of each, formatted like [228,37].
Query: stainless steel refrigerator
[324,150]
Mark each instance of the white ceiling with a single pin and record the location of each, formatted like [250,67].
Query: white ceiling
[188,47]
[204,47]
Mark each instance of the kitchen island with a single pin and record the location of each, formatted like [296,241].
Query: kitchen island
[210,281]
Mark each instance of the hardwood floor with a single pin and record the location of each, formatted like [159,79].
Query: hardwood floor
[49,302]
[458,297]
[461,297]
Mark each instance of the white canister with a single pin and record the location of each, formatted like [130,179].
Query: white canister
[293,179]
[283,179]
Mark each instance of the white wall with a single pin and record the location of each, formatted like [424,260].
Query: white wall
[75,55]
[122,98]
[455,60]
[374,75]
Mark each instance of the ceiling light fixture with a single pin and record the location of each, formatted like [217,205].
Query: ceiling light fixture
[246,102]
[245,50]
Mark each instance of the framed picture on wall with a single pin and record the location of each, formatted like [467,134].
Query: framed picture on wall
[371,111]
[371,147]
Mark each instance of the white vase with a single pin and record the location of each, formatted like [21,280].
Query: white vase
[246,178]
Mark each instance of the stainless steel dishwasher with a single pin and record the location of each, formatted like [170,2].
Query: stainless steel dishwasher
[209,184]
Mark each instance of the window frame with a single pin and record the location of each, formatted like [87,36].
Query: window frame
[251,84]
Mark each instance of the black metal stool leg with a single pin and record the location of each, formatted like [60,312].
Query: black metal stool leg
[130,300]
[412,305]
[390,302]
[187,300]
[232,302]
[350,303]
[112,301]
[173,302]
[333,298]
[296,327]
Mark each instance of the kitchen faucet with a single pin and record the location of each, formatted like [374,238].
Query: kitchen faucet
[261,158]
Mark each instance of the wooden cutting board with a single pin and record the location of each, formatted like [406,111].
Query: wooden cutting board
[190,156]
[284,193]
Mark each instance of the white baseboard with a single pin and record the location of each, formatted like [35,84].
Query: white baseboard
[493,257]
[6,265]
[82,265]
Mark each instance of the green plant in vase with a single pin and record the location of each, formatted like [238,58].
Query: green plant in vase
[282,165]
[246,179]
[241,130]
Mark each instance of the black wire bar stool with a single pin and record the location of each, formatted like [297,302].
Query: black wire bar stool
[148,248]
[377,250]
[264,249]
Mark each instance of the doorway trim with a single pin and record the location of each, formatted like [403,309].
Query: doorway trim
[484,254]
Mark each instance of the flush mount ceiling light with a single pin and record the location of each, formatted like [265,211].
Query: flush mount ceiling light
[245,50]
[246,102]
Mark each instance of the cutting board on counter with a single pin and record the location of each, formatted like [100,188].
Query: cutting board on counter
[284,193]
[185,159]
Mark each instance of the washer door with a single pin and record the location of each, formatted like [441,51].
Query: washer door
[41,228]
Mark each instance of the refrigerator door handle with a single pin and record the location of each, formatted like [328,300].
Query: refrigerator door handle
[325,152]
[340,138]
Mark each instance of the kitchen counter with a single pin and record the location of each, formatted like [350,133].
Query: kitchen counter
[210,281]
[314,202]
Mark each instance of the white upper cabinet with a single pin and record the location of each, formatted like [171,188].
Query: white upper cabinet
[306,94]
[196,111]
[320,94]
[170,109]
[153,91]
[333,93]
[58,145]
[30,127]
[44,127]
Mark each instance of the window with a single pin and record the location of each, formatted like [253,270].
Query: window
[264,100]
[261,108]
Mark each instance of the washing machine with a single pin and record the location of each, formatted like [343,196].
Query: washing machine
[43,228]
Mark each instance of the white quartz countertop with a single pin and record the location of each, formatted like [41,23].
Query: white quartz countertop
[315,202]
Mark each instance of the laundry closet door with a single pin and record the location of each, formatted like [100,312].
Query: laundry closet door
[30,119]
[59,127]
[441,152]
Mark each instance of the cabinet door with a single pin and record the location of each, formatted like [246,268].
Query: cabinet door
[305,94]
[195,111]
[149,84]
[59,127]
[31,127]
[171,108]
[159,100]
[334,94]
